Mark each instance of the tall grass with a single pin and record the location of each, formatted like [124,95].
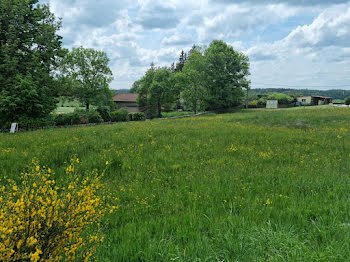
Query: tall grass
[248,186]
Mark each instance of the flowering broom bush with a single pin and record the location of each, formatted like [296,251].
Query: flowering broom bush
[41,221]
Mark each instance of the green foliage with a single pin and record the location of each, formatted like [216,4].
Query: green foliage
[155,91]
[347,101]
[94,117]
[193,82]
[69,119]
[335,93]
[226,71]
[105,113]
[210,79]
[283,99]
[135,86]
[137,116]
[24,101]
[120,115]
[88,73]
[262,101]
[29,123]
[29,51]
[78,117]
[253,104]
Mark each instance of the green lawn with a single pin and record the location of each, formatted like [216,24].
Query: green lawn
[256,185]
[64,110]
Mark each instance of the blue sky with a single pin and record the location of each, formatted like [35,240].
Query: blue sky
[296,43]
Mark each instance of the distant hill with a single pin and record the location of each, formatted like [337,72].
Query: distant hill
[335,93]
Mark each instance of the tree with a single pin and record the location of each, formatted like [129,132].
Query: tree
[160,90]
[193,48]
[347,101]
[29,53]
[193,80]
[182,61]
[155,91]
[135,86]
[226,72]
[87,70]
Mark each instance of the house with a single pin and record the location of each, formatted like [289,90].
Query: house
[314,100]
[127,101]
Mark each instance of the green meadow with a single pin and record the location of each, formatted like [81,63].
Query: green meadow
[253,185]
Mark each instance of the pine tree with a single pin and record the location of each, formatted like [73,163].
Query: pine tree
[194,47]
[172,67]
[181,62]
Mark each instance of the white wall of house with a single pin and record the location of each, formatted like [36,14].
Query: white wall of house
[304,100]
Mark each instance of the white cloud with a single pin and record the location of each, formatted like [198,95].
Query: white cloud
[135,33]
[314,54]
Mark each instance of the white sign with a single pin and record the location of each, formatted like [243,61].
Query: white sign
[272,104]
[14,128]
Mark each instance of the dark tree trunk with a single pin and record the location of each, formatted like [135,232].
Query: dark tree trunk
[87,106]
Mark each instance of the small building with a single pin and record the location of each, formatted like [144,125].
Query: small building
[272,104]
[127,101]
[314,100]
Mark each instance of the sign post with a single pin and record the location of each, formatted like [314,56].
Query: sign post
[14,128]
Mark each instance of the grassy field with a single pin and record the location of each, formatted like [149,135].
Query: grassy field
[248,186]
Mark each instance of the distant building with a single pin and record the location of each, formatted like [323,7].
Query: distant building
[271,104]
[314,100]
[127,101]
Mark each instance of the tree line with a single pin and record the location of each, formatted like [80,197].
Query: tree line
[204,79]
[35,71]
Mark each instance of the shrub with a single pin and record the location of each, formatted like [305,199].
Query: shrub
[105,113]
[119,115]
[137,116]
[40,220]
[262,101]
[283,99]
[253,104]
[78,117]
[347,101]
[94,117]
[34,123]
[68,119]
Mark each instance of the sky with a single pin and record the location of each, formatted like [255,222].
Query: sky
[290,43]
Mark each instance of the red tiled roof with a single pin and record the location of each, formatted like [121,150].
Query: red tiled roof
[125,98]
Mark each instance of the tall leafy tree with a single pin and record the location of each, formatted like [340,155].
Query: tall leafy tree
[89,74]
[160,90]
[144,88]
[156,91]
[193,81]
[226,72]
[29,52]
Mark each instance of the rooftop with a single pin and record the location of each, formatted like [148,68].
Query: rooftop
[125,97]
